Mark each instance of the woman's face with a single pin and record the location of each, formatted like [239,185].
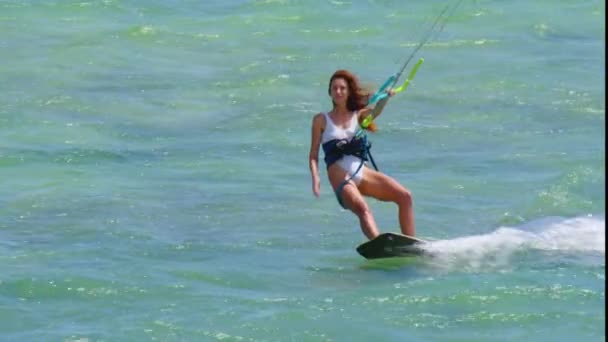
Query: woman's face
[339,90]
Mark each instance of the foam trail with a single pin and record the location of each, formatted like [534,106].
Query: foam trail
[583,235]
[579,234]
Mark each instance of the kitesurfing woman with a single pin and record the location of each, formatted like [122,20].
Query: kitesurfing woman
[344,154]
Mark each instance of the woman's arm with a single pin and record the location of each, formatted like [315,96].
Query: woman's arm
[375,110]
[318,125]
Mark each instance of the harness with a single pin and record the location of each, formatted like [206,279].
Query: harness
[358,146]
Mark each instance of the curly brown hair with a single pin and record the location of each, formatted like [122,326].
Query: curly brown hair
[358,96]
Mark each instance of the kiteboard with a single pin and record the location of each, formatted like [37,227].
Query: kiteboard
[390,245]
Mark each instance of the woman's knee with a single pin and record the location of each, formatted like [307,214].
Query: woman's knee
[404,197]
[360,207]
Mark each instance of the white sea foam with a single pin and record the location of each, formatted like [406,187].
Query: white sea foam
[581,235]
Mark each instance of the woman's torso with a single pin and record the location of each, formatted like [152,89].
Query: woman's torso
[333,131]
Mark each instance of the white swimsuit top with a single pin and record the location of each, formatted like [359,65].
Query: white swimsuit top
[334,132]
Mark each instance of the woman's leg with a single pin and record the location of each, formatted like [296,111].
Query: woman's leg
[385,188]
[354,201]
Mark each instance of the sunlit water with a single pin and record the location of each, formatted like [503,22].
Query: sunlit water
[155,182]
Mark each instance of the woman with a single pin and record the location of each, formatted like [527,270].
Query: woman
[345,155]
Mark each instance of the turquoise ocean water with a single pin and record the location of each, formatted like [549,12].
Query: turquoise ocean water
[155,183]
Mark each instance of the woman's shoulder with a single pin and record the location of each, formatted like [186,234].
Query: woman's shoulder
[319,117]
[319,122]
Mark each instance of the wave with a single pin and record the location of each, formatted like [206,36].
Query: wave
[580,236]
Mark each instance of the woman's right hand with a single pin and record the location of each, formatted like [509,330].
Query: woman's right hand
[318,125]
[316,186]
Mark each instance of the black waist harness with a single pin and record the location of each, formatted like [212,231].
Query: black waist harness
[335,149]
[338,148]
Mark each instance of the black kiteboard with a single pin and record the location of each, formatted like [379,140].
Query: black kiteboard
[390,245]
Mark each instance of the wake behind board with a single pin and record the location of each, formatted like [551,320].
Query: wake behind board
[390,245]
